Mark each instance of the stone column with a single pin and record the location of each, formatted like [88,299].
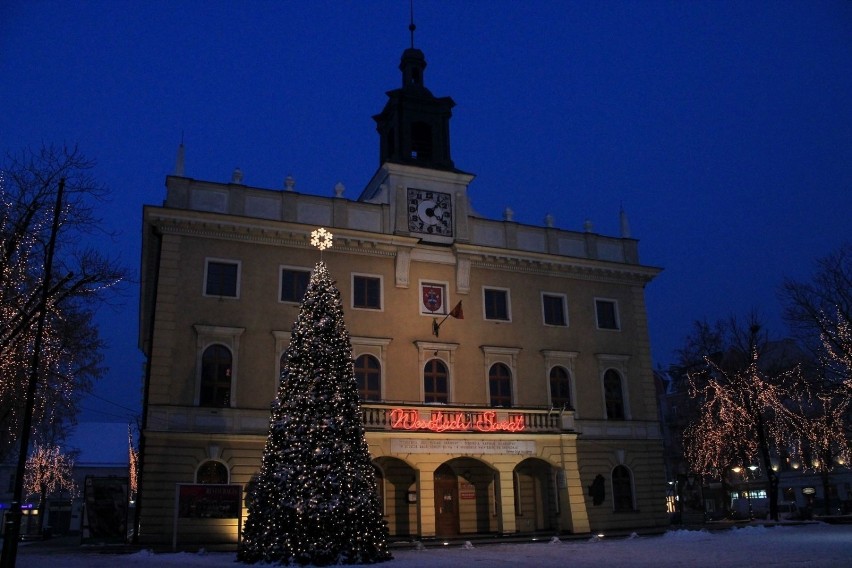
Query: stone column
[507,502]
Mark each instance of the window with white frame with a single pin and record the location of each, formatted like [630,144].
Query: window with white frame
[622,489]
[606,312]
[554,308]
[369,355]
[294,283]
[496,304]
[560,388]
[366,292]
[558,372]
[216,367]
[368,375]
[217,349]
[500,385]
[436,360]
[436,381]
[222,278]
[613,395]
[212,472]
[500,374]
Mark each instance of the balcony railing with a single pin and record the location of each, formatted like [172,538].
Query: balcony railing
[446,418]
[377,417]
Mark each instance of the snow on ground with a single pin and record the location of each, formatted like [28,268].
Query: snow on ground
[801,546]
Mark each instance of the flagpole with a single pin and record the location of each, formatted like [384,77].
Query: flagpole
[436,325]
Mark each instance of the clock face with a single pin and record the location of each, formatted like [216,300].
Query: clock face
[430,212]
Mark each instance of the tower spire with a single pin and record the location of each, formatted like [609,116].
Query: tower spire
[411,26]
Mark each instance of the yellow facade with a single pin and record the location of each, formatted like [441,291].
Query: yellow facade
[541,307]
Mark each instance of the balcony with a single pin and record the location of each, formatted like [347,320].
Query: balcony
[449,418]
[377,417]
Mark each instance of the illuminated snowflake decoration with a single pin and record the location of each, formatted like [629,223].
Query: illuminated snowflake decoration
[321,239]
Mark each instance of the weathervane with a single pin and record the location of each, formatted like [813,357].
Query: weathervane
[321,239]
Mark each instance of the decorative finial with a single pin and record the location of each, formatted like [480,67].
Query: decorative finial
[321,239]
[339,188]
[411,26]
[289,183]
[548,220]
[625,224]
[508,214]
[237,176]
[180,159]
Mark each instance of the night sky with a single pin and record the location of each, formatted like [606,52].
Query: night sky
[723,129]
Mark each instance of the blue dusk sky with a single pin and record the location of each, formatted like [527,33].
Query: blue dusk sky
[723,129]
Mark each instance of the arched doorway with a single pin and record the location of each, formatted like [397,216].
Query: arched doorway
[536,504]
[446,502]
[397,494]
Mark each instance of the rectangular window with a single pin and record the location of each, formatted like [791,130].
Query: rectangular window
[221,278]
[607,314]
[294,282]
[366,292]
[496,304]
[554,309]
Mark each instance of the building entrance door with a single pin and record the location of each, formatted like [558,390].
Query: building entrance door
[446,502]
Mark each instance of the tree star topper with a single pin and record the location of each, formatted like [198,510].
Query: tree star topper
[321,239]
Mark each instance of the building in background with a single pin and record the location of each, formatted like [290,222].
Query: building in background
[100,451]
[505,369]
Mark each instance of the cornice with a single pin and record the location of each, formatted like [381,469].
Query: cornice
[553,265]
[276,233]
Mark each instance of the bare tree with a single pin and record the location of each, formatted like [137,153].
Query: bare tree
[741,389]
[83,279]
[820,312]
[48,470]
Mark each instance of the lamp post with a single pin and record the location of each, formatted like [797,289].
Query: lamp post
[739,469]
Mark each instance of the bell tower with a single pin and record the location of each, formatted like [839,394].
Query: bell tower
[414,126]
[416,178]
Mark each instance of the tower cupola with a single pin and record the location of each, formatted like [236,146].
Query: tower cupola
[414,127]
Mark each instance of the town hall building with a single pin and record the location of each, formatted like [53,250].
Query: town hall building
[504,369]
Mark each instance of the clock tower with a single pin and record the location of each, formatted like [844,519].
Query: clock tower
[417,177]
[414,127]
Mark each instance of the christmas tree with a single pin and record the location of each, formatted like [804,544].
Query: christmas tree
[314,501]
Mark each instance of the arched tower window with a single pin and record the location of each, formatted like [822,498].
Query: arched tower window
[368,374]
[435,381]
[216,364]
[500,385]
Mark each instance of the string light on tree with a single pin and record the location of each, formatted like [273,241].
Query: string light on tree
[314,500]
[48,470]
